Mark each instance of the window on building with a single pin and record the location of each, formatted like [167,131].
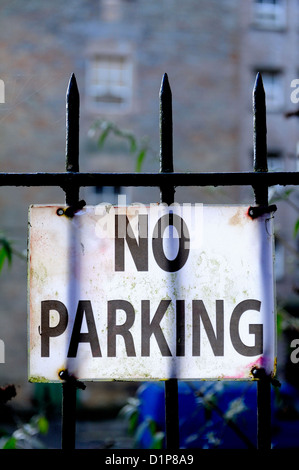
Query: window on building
[269,13]
[109,82]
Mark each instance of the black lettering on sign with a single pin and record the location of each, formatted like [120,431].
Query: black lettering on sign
[47,331]
[184,240]
[138,249]
[84,306]
[180,328]
[149,328]
[216,340]
[123,330]
[256,330]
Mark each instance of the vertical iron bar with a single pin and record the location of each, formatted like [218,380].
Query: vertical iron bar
[72,137]
[260,138]
[166,145]
[69,389]
[261,198]
[167,196]
[264,412]
[69,398]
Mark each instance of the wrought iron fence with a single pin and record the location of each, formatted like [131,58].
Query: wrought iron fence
[167,180]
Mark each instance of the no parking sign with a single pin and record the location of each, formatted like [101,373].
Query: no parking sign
[150,292]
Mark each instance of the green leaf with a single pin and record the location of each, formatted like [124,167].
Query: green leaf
[2,257]
[157,442]
[103,136]
[5,252]
[133,422]
[296,228]
[133,144]
[139,160]
[152,426]
[107,128]
[43,425]
[11,443]
[279,322]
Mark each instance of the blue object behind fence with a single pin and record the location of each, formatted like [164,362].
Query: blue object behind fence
[205,410]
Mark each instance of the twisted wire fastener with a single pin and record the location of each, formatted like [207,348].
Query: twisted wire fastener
[70,379]
[257,211]
[70,211]
[261,374]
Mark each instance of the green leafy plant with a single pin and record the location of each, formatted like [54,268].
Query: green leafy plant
[26,436]
[102,129]
[137,429]
[6,250]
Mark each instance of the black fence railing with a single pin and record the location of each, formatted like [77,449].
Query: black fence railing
[167,180]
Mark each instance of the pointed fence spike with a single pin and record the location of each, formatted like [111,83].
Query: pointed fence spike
[72,125]
[166,145]
[72,136]
[260,137]
[259,125]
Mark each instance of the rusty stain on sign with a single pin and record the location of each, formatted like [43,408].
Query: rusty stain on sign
[150,293]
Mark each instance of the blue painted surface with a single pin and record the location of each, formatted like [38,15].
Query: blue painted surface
[202,428]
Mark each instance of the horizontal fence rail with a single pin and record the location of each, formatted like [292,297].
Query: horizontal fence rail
[65,179]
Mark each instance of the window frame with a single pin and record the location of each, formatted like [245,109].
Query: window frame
[269,14]
[109,82]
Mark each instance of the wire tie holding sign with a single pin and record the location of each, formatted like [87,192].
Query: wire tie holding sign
[70,379]
[71,210]
[257,211]
[261,375]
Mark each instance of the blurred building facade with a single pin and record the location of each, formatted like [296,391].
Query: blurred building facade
[119,51]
